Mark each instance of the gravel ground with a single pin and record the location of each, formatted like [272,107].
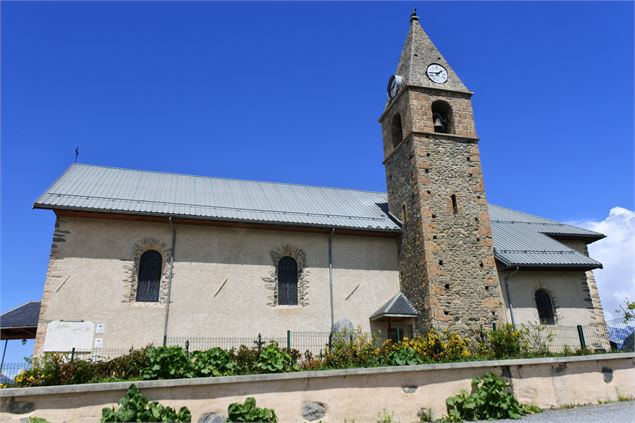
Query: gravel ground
[620,412]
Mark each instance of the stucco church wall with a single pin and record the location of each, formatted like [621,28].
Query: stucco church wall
[219,286]
[572,305]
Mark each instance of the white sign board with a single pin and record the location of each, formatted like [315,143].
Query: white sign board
[64,336]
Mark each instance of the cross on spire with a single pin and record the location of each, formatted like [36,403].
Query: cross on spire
[413,15]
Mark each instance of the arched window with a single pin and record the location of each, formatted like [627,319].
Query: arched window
[287,281]
[545,307]
[395,130]
[442,117]
[149,278]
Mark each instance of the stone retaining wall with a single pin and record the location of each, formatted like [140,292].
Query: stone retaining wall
[339,395]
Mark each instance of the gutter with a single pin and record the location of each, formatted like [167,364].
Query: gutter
[509,297]
[331,277]
[171,272]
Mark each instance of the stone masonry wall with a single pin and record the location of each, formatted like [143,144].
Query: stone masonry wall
[404,202]
[447,265]
[464,286]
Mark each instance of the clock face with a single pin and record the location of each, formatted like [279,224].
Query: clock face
[394,83]
[437,73]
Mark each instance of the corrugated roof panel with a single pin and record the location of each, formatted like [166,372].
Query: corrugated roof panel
[110,189]
[519,238]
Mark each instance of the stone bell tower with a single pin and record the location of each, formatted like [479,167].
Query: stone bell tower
[435,187]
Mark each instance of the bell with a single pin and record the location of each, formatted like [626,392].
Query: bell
[439,126]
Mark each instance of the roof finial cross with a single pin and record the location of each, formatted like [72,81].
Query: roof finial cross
[413,15]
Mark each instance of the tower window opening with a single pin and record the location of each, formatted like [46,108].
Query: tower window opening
[395,130]
[404,215]
[442,117]
[455,205]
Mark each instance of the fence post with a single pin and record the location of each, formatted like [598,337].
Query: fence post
[581,336]
[187,346]
[288,339]
[72,353]
[4,351]
[259,342]
[330,339]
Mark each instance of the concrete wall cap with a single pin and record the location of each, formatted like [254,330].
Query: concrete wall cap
[171,383]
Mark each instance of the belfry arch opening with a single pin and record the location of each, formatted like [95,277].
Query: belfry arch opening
[442,117]
[395,130]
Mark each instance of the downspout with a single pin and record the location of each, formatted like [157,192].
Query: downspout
[508,294]
[331,276]
[167,308]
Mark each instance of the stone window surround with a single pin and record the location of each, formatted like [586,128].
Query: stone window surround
[131,281]
[271,281]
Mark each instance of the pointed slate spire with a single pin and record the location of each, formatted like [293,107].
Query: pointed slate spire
[419,52]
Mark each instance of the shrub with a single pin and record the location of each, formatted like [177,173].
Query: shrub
[504,341]
[490,399]
[353,348]
[310,362]
[274,360]
[404,355]
[386,417]
[58,369]
[442,346]
[45,370]
[134,407]
[248,412]
[213,362]
[166,363]
[125,367]
[245,359]
[535,339]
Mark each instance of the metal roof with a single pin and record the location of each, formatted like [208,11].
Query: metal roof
[21,322]
[398,306]
[520,239]
[524,240]
[104,189]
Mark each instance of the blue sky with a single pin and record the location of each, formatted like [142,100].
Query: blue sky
[291,92]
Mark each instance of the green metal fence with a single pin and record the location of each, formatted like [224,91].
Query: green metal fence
[315,342]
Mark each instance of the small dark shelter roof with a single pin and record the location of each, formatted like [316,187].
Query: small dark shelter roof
[398,306]
[21,322]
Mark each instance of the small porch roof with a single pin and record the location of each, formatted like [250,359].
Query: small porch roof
[398,306]
[21,322]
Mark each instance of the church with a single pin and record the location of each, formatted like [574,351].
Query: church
[138,257]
